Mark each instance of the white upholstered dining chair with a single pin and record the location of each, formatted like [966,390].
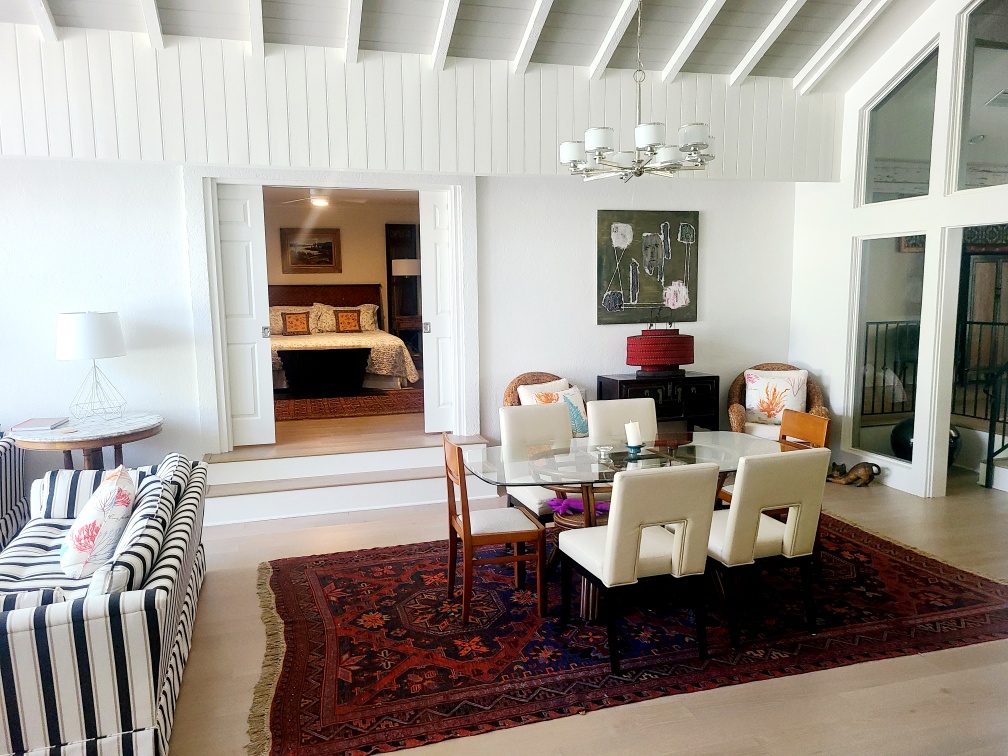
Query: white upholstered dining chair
[658,530]
[607,419]
[532,425]
[744,535]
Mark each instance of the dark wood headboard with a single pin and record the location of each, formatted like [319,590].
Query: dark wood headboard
[337,295]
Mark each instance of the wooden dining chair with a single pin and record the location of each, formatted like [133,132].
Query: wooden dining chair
[488,527]
[804,429]
[796,429]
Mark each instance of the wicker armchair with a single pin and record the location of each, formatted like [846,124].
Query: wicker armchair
[815,399]
[525,379]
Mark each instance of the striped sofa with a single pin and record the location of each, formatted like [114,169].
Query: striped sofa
[98,671]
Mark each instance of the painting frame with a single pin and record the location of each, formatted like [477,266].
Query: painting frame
[913,243]
[298,256]
[647,266]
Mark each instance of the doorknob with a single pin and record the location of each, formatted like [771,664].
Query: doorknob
[426,327]
[265,332]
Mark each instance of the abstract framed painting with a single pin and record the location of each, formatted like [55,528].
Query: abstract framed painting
[647,259]
[310,250]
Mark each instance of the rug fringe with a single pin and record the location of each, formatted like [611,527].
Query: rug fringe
[914,549]
[260,737]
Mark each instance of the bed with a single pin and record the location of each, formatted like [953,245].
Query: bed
[337,364]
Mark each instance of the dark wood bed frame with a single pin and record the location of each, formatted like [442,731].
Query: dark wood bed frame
[337,295]
[326,372]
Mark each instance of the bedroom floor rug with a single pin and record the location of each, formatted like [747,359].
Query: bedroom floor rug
[365,654]
[402,402]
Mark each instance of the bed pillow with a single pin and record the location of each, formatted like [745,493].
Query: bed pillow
[770,392]
[348,321]
[526,394]
[323,317]
[94,535]
[575,406]
[295,323]
[276,316]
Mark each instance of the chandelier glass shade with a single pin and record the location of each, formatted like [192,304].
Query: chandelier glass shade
[597,157]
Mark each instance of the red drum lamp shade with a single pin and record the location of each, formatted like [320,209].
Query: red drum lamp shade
[659,352]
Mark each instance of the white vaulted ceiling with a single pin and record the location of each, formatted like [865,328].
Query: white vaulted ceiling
[741,37]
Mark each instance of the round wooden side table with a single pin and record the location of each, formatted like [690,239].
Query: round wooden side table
[91,435]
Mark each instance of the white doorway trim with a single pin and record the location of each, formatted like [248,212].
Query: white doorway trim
[199,184]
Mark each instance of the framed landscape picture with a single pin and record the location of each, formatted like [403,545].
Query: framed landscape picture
[647,260]
[310,250]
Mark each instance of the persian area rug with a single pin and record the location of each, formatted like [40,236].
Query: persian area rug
[365,654]
[401,402]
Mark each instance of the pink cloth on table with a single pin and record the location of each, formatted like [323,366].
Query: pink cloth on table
[574,506]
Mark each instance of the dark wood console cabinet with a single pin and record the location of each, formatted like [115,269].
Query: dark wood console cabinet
[692,397]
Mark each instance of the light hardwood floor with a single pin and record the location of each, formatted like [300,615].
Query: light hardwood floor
[944,702]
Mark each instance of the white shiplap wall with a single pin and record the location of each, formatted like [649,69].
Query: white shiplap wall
[110,95]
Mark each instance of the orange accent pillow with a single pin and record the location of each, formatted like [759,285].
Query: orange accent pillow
[348,321]
[295,324]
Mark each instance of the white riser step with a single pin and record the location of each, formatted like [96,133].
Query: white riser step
[289,468]
[349,497]
[1000,474]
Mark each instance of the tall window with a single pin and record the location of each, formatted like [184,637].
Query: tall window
[983,160]
[899,137]
[892,286]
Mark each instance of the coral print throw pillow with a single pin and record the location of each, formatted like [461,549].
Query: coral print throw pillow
[770,392]
[572,399]
[93,537]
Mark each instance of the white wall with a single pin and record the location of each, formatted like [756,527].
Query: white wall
[828,220]
[110,95]
[98,236]
[537,263]
[362,240]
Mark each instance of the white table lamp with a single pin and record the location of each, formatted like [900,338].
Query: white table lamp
[405,266]
[92,336]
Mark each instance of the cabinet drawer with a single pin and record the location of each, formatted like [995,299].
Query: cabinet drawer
[668,398]
[699,398]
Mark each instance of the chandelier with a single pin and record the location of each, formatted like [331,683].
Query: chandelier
[596,157]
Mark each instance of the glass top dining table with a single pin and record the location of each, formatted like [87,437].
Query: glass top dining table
[584,464]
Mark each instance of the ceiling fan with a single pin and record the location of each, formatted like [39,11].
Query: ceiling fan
[320,198]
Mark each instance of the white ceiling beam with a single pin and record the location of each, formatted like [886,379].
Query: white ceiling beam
[838,44]
[153,21]
[531,36]
[444,33]
[763,42]
[612,38]
[256,28]
[352,47]
[44,19]
[692,38]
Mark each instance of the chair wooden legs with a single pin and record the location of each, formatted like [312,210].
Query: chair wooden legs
[452,559]
[700,622]
[807,568]
[612,615]
[519,567]
[467,579]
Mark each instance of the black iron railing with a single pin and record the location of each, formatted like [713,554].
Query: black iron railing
[997,388]
[981,350]
[890,366]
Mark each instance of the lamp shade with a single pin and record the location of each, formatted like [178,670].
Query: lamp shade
[88,336]
[660,352]
[406,266]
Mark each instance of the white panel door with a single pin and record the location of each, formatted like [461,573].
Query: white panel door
[242,249]
[437,306]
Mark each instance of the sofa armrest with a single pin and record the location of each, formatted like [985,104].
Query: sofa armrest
[92,656]
[13,502]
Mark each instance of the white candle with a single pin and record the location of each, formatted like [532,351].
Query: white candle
[633,436]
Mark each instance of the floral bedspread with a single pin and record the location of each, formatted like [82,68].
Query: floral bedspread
[389,355]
